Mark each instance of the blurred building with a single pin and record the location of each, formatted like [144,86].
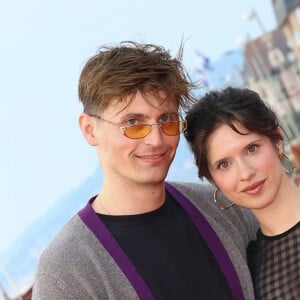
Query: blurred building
[287,14]
[272,65]
[269,65]
[272,70]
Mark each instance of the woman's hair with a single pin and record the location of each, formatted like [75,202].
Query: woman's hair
[118,72]
[224,107]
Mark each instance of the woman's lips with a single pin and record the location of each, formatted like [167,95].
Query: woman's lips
[254,188]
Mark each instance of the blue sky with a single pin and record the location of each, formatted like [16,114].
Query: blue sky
[44,45]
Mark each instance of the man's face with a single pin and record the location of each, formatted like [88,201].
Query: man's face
[135,161]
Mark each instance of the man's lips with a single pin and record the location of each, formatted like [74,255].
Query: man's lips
[254,188]
[151,156]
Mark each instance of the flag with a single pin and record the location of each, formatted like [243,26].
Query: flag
[203,61]
[202,67]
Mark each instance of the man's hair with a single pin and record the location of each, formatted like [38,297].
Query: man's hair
[117,72]
[224,107]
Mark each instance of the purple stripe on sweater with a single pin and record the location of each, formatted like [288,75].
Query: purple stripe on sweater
[93,222]
[212,241]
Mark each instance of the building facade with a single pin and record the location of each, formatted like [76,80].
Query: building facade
[287,14]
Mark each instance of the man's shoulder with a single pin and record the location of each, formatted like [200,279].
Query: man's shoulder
[193,189]
[202,196]
[67,240]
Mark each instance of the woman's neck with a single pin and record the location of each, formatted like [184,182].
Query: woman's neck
[283,213]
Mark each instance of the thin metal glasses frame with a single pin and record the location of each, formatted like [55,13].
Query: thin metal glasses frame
[182,124]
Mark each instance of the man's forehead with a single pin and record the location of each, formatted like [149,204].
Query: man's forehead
[139,103]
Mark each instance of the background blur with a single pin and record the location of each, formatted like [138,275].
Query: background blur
[47,171]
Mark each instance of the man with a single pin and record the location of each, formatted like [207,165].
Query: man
[140,237]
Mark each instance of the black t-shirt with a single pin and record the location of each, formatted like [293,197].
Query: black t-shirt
[169,253]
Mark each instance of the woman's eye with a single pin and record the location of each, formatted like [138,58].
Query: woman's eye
[252,148]
[223,165]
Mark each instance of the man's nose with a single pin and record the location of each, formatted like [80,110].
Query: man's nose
[155,135]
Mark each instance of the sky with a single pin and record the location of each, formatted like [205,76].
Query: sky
[44,45]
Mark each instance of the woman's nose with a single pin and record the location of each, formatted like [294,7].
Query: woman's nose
[246,170]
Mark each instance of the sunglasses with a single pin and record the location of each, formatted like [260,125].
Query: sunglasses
[140,131]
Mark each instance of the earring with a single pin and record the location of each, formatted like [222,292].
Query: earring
[290,165]
[219,204]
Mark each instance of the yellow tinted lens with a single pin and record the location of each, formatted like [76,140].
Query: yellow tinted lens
[137,131]
[173,128]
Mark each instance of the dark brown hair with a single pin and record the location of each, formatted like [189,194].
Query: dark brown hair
[223,107]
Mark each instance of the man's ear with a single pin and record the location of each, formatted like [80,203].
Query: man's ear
[87,126]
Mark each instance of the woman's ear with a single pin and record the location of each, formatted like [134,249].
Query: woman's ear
[211,181]
[279,143]
[87,126]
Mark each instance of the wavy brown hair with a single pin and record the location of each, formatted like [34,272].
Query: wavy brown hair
[117,72]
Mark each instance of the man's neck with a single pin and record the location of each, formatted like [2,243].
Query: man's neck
[129,200]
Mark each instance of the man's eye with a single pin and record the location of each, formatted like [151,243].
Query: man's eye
[131,122]
[168,117]
[164,118]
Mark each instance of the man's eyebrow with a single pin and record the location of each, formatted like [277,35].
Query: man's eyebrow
[132,115]
[140,115]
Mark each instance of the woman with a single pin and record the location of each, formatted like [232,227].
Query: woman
[238,146]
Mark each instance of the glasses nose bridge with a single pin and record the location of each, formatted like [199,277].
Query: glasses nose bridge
[154,137]
[160,125]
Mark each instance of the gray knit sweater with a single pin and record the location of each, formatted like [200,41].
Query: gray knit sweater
[84,262]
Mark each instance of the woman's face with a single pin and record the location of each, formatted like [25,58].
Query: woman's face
[246,168]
